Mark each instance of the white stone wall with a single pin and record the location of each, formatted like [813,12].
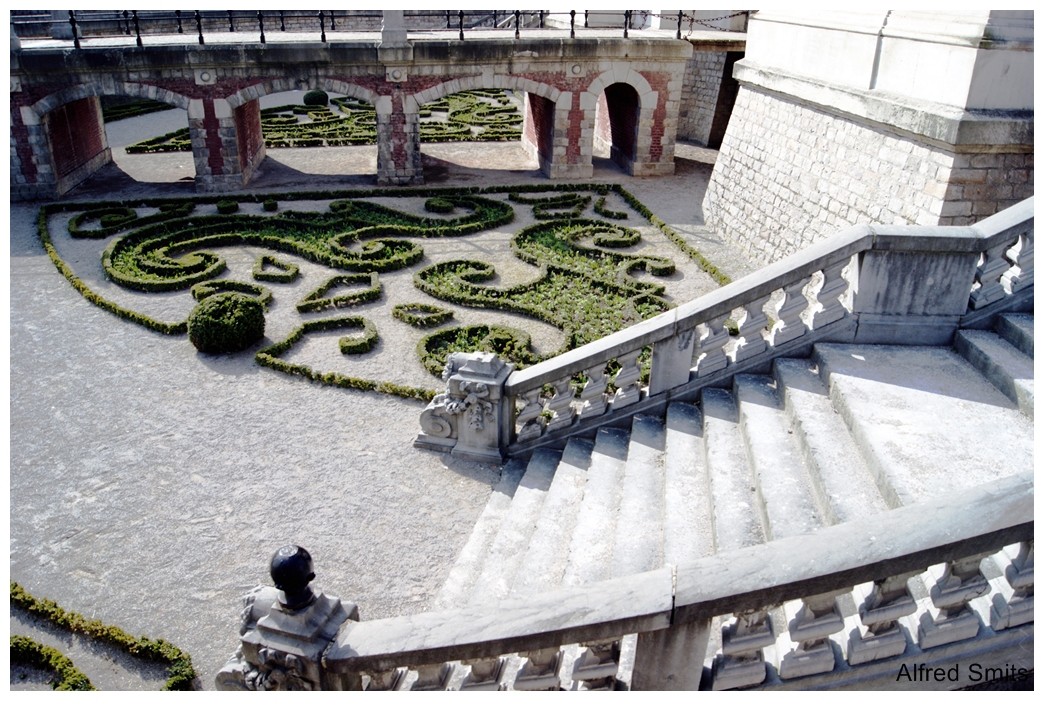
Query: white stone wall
[789,174]
[699,98]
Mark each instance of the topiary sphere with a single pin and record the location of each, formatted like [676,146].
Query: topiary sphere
[226,323]
[316,97]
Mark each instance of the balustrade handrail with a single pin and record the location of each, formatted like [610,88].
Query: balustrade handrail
[981,519]
[1010,223]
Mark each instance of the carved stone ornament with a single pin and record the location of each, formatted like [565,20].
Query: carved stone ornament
[465,419]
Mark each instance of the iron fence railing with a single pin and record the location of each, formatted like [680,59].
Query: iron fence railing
[87,24]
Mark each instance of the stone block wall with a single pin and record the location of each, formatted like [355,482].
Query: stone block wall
[789,174]
[699,98]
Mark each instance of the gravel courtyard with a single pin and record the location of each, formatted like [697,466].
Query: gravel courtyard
[150,484]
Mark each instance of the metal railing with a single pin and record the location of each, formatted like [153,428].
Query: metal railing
[89,24]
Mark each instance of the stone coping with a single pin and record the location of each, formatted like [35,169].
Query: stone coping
[953,126]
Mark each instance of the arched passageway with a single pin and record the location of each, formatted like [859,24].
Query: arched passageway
[616,124]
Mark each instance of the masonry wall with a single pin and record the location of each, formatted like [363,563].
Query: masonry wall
[699,98]
[251,141]
[789,174]
[76,134]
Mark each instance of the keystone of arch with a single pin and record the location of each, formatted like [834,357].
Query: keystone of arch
[620,73]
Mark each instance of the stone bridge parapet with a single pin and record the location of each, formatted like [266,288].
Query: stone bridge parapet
[563,81]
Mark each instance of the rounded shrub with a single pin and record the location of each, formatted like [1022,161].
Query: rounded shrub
[226,323]
[270,205]
[438,205]
[316,97]
[227,206]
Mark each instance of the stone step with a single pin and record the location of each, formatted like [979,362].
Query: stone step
[1009,369]
[639,524]
[842,484]
[735,520]
[591,546]
[925,421]
[548,553]
[457,587]
[516,528]
[781,480]
[687,532]
[1016,329]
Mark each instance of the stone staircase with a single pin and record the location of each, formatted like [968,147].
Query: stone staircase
[851,431]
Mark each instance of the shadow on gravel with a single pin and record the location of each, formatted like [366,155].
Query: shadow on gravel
[112,183]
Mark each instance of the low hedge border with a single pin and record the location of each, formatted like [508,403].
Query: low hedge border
[316,301]
[180,673]
[704,264]
[357,345]
[512,345]
[288,272]
[126,110]
[269,358]
[202,290]
[599,208]
[27,651]
[349,195]
[430,315]
[88,294]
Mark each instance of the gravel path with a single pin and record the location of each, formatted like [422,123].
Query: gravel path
[150,484]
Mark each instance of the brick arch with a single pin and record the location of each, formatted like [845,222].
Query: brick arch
[240,98]
[78,92]
[621,74]
[412,103]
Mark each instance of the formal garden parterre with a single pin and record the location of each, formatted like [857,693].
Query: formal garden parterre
[473,115]
[582,253]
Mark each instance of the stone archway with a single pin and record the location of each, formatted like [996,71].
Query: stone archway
[545,127]
[66,131]
[634,121]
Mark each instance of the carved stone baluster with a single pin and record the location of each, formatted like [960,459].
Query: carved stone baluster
[819,617]
[593,393]
[388,680]
[834,285]
[790,325]
[541,670]
[433,677]
[1024,277]
[988,275]
[598,666]
[1019,608]
[529,420]
[889,601]
[561,404]
[752,340]
[742,662]
[486,674]
[628,380]
[711,345]
[960,583]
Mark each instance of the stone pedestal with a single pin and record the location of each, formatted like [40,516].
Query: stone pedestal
[467,419]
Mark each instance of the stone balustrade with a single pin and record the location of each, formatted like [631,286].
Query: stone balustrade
[909,586]
[869,284]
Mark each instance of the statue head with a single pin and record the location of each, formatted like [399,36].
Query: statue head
[291,570]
